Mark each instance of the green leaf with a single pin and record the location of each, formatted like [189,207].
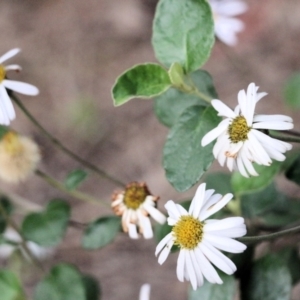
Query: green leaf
[63,283]
[10,286]
[220,182]
[170,105]
[269,279]
[185,160]
[75,178]
[292,91]
[209,291]
[183,32]
[101,232]
[8,207]
[144,81]
[47,228]
[91,288]
[242,185]
[293,172]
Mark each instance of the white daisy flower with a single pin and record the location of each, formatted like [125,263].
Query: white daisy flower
[240,136]
[226,26]
[201,240]
[7,112]
[145,292]
[135,205]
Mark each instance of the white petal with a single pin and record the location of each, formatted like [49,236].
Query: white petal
[218,258]
[211,210]
[180,265]
[191,270]
[197,201]
[282,118]
[215,133]
[197,268]
[172,210]
[145,226]
[231,8]
[163,243]
[6,104]
[155,214]
[21,87]
[207,269]
[13,68]
[9,54]
[221,145]
[224,224]
[164,253]
[210,202]
[232,233]
[275,125]
[224,243]
[223,109]
[145,292]
[240,166]
[132,231]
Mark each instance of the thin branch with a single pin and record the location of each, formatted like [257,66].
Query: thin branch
[63,148]
[76,194]
[268,237]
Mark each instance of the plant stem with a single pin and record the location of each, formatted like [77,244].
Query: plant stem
[293,138]
[268,237]
[76,194]
[24,246]
[63,148]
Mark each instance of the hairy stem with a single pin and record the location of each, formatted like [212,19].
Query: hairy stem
[63,148]
[294,137]
[76,194]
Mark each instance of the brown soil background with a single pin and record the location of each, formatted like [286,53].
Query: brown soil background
[73,51]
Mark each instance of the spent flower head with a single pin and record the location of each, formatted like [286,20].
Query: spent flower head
[226,26]
[135,205]
[200,240]
[7,112]
[19,156]
[241,136]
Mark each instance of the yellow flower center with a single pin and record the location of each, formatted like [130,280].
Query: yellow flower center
[12,144]
[2,73]
[238,130]
[135,195]
[188,232]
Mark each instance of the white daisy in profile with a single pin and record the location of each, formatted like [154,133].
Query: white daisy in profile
[200,240]
[135,205]
[242,138]
[226,26]
[145,292]
[7,112]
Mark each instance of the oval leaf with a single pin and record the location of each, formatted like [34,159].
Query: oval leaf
[75,178]
[101,232]
[183,32]
[269,279]
[242,185]
[209,291]
[63,283]
[292,91]
[10,286]
[47,228]
[144,81]
[185,160]
[170,105]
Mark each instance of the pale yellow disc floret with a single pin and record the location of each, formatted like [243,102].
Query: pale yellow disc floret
[238,130]
[19,157]
[188,232]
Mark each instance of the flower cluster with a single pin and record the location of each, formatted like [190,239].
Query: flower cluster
[241,136]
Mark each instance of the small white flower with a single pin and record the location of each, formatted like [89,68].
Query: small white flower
[200,240]
[12,236]
[226,26]
[240,140]
[145,292]
[7,112]
[135,204]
